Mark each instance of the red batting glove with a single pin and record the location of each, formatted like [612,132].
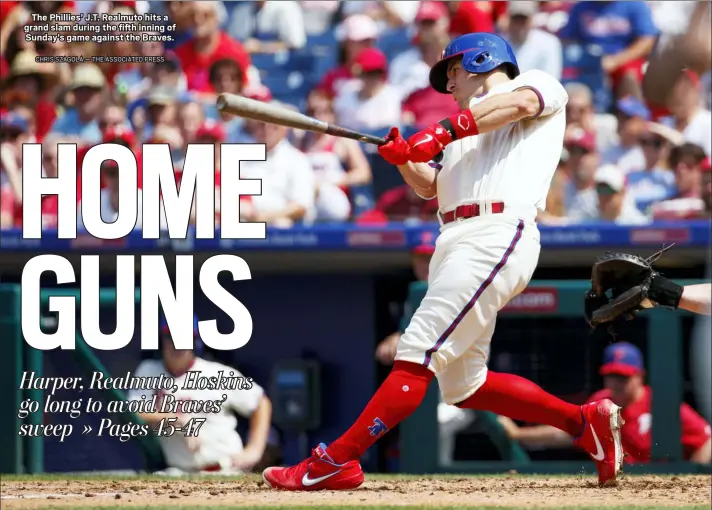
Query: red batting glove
[430,142]
[396,151]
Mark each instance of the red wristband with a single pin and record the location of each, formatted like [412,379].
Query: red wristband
[461,125]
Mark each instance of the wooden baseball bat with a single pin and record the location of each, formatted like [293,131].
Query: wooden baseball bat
[265,112]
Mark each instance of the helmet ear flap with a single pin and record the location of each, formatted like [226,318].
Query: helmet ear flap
[511,71]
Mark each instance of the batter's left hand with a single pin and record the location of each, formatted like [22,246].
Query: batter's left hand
[428,143]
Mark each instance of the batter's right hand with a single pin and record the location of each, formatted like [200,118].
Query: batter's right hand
[396,150]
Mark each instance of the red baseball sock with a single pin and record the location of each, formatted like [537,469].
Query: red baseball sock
[520,399]
[399,395]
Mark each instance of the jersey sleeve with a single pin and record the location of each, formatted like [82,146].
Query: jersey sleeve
[245,399]
[552,95]
[695,430]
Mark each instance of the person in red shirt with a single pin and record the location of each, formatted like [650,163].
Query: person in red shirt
[401,204]
[623,377]
[469,17]
[11,206]
[7,207]
[208,45]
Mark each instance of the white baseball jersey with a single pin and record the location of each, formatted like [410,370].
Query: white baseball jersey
[482,263]
[514,164]
[218,437]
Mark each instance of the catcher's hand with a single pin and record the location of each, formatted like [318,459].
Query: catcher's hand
[623,284]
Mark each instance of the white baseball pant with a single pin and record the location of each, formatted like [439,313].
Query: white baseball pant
[478,266]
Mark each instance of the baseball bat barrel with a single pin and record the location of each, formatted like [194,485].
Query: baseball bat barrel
[265,112]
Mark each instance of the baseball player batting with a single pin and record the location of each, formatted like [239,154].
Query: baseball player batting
[499,156]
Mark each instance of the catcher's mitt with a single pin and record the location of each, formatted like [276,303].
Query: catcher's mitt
[623,284]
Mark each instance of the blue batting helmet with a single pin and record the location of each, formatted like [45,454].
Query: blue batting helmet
[481,52]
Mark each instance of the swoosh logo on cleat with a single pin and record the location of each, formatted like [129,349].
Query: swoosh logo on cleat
[599,449]
[308,482]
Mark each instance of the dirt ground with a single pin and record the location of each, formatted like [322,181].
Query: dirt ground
[512,490]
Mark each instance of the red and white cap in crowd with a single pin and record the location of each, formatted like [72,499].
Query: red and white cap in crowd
[581,138]
[258,93]
[212,130]
[431,11]
[121,133]
[369,60]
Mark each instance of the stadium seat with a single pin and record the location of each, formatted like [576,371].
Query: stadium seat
[270,62]
[289,75]
[361,199]
[395,41]
[284,63]
[385,175]
[324,49]
[301,61]
[322,43]
[291,87]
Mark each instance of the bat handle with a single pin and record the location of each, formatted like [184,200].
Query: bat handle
[354,135]
[363,137]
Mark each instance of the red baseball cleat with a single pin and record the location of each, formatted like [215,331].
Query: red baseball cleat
[601,438]
[318,472]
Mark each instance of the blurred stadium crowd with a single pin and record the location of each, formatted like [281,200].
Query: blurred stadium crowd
[363,65]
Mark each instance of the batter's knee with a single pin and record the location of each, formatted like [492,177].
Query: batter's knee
[415,347]
[433,361]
